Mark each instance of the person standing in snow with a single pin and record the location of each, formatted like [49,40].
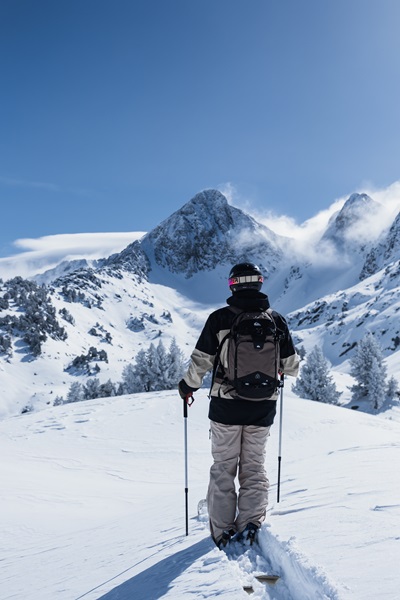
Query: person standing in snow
[239,426]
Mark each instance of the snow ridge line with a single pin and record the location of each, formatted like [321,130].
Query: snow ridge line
[295,568]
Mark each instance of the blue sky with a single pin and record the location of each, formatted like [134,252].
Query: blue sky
[115,113]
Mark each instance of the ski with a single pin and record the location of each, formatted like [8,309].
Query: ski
[263,578]
[266,578]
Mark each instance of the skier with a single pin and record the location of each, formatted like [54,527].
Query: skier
[239,425]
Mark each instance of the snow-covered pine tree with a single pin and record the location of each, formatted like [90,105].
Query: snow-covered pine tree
[58,401]
[151,374]
[176,366]
[91,389]
[75,393]
[161,379]
[392,388]
[154,369]
[134,377]
[301,351]
[107,389]
[368,370]
[314,381]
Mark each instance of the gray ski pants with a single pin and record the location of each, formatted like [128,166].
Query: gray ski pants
[237,450]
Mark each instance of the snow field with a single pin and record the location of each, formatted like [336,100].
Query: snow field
[92,505]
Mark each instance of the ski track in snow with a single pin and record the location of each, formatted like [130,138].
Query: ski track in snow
[270,557]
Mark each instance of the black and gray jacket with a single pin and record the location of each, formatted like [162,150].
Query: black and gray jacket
[223,407]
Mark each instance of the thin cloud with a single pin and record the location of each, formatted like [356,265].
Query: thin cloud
[43,185]
[9,181]
[37,255]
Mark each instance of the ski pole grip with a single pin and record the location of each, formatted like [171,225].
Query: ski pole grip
[187,401]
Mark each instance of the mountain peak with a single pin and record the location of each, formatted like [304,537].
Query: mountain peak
[207,232]
[209,209]
[356,207]
[358,199]
[210,198]
[348,227]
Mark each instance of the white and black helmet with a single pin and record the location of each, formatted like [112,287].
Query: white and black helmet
[245,276]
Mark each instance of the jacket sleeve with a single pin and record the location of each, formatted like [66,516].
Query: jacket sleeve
[202,358]
[289,359]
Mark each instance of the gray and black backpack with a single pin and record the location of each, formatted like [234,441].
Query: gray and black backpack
[248,356]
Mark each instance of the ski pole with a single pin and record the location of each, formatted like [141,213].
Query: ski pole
[280,437]
[187,401]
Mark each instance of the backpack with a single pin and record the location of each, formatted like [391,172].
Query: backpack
[248,356]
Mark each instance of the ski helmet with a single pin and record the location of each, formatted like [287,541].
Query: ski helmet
[245,276]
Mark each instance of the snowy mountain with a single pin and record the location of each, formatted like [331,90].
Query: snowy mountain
[100,313]
[338,319]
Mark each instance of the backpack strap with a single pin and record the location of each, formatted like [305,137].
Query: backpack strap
[217,361]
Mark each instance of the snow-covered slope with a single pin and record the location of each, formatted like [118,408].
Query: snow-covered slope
[337,321]
[92,505]
[385,252]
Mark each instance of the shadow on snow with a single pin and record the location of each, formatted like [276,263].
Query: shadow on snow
[154,582]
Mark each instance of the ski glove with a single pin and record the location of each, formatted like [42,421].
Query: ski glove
[185,389]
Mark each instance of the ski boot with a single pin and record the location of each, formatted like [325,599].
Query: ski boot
[226,537]
[250,533]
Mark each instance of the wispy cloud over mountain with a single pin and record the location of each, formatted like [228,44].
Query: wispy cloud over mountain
[39,254]
[305,238]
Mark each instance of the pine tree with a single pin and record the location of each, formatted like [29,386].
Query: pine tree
[107,389]
[150,369]
[91,389]
[314,381]
[176,365]
[154,369]
[59,401]
[75,393]
[301,351]
[135,377]
[370,373]
[128,379]
[392,388]
[161,368]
